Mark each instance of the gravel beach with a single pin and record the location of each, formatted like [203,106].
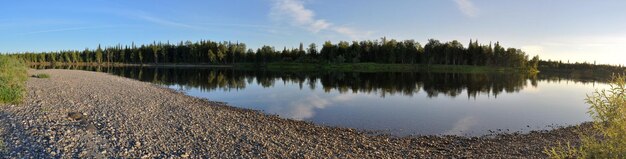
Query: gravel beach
[81,114]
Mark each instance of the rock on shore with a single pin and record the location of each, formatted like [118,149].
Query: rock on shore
[80,114]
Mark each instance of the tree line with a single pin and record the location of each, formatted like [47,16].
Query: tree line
[549,64]
[377,51]
[380,83]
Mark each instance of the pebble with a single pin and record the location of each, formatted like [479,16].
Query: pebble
[75,115]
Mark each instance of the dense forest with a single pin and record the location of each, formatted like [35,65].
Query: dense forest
[550,65]
[376,51]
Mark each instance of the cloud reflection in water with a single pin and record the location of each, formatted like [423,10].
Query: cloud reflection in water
[305,108]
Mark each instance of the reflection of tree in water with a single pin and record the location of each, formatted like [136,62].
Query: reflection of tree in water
[381,83]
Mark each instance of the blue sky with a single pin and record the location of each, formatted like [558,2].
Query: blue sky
[575,30]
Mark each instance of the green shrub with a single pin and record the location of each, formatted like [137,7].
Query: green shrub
[13,74]
[41,75]
[608,110]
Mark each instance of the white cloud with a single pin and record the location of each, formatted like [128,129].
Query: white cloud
[462,126]
[305,108]
[467,8]
[298,14]
[295,12]
[319,25]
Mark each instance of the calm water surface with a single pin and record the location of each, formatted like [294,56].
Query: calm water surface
[397,103]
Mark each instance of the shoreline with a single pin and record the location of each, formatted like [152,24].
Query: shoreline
[284,66]
[129,118]
[47,64]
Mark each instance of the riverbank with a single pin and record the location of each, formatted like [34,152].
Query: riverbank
[125,118]
[93,64]
[336,67]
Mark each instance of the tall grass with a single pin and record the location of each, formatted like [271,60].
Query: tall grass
[13,74]
[608,110]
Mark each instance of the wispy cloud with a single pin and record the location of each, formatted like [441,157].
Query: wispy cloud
[352,33]
[151,18]
[239,25]
[161,21]
[295,12]
[70,29]
[166,22]
[467,8]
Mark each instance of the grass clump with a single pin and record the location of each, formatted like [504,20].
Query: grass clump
[41,75]
[13,75]
[608,110]
[3,148]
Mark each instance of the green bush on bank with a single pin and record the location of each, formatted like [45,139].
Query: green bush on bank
[13,75]
[608,110]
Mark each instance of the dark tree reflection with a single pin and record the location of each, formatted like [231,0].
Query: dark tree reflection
[381,83]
